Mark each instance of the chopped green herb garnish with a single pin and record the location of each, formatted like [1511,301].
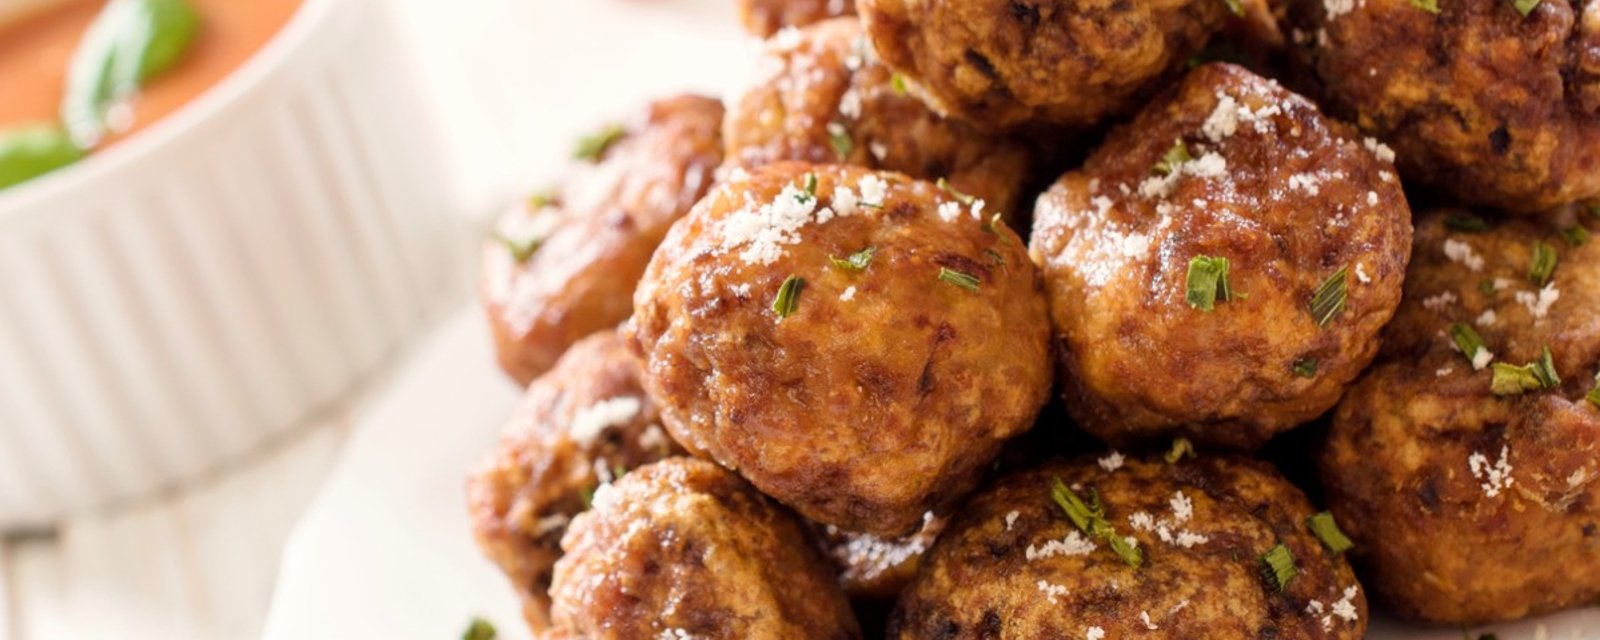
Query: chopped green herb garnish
[1511,380]
[1466,223]
[1544,263]
[1468,340]
[839,138]
[898,83]
[521,248]
[995,257]
[586,494]
[1180,447]
[857,261]
[617,471]
[1330,298]
[788,296]
[957,278]
[965,199]
[1525,7]
[1576,236]
[542,199]
[1487,287]
[1208,282]
[1178,154]
[1594,395]
[808,191]
[1090,519]
[1327,530]
[1430,6]
[1278,566]
[1236,6]
[479,629]
[1306,367]
[591,147]
[994,225]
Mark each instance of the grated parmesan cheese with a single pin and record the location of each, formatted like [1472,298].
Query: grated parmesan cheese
[1052,591]
[1461,253]
[1539,304]
[1379,149]
[1094,633]
[1112,462]
[1011,519]
[1495,477]
[594,419]
[849,294]
[1074,544]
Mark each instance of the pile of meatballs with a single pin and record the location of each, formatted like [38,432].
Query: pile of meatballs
[1067,319]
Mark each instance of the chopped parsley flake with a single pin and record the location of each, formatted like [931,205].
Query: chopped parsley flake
[479,629]
[1090,519]
[1306,367]
[788,298]
[1208,282]
[966,200]
[1576,236]
[542,199]
[1330,298]
[857,261]
[1525,7]
[1468,340]
[964,280]
[1511,380]
[839,139]
[1177,155]
[898,83]
[1544,263]
[995,257]
[1236,6]
[1180,447]
[521,248]
[1327,530]
[591,147]
[1487,287]
[1278,566]
[1466,223]
[1430,6]
[1594,396]
[808,191]
[1545,369]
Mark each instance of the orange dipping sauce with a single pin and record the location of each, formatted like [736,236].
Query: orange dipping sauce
[36,49]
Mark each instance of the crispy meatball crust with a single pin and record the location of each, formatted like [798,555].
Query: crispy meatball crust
[586,417]
[598,232]
[888,389]
[1491,107]
[1287,196]
[682,548]
[762,18]
[1013,565]
[876,568]
[820,95]
[1467,507]
[1072,63]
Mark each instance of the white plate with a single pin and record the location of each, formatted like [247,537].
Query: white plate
[385,551]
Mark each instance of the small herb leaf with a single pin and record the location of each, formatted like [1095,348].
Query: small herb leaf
[1177,155]
[957,278]
[479,629]
[1180,447]
[1329,300]
[590,148]
[965,199]
[1576,236]
[1430,6]
[788,298]
[1468,340]
[839,139]
[1306,367]
[1544,263]
[1207,283]
[1327,530]
[1525,7]
[857,261]
[1466,223]
[1278,566]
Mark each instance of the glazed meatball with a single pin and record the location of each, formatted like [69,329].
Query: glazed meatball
[857,344]
[1000,64]
[763,18]
[876,568]
[1470,482]
[1479,101]
[1014,564]
[582,423]
[563,266]
[683,549]
[820,95]
[1222,266]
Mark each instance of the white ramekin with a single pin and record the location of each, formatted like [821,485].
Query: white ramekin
[211,282]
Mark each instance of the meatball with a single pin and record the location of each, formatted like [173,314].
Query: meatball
[856,344]
[563,265]
[1000,64]
[1495,108]
[1470,503]
[1222,266]
[763,18]
[1015,564]
[820,95]
[683,549]
[877,568]
[582,423]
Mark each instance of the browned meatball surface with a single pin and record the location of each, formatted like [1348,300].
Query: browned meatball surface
[1073,63]
[766,17]
[879,390]
[1468,505]
[1228,165]
[1014,565]
[562,267]
[820,95]
[1479,101]
[582,423]
[877,568]
[683,549]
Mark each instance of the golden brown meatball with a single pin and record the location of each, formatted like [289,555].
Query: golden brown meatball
[763,18]
[562,267]
[1003,63]
[1466,505]
[876,568]
[863,395]
[582,423]
[1227,166]
[1479,101]
[683,549]
[820,95]
[1013,564]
